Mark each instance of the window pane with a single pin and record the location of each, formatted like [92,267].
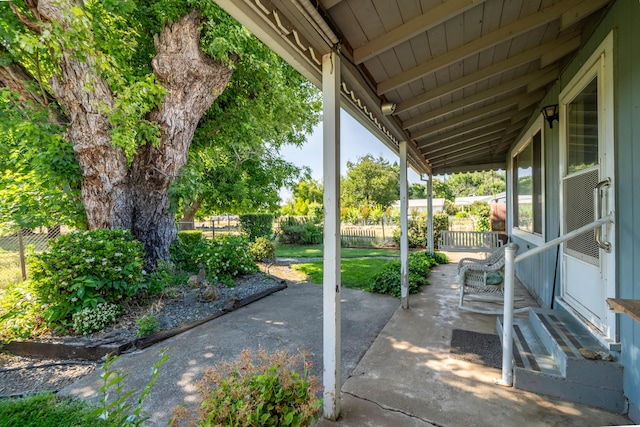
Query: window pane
[537,183]
[524,188]
[582,129]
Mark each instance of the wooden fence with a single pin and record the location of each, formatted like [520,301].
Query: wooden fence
[469,240]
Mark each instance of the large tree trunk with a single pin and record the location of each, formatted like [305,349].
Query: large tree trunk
[105,192]
[193,81]
[113,194]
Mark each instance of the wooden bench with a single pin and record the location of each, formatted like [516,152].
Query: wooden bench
[469,241]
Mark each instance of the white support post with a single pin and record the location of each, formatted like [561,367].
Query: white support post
[507,325]
[331,278]
[430,242]
[404,236]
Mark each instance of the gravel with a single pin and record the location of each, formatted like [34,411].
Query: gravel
[27,375]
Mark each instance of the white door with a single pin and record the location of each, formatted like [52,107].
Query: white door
[586,135]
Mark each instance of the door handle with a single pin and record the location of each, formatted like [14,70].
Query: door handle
[597,200]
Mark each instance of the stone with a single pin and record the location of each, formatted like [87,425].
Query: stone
[231,303]
[164,322]
[210,293]
[191,298]
[193,281]
[589,354]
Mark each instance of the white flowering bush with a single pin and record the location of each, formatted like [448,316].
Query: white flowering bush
[226,257]
[223,258]
[89,319]
[82,269]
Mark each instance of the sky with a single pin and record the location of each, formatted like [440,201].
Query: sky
[355,142]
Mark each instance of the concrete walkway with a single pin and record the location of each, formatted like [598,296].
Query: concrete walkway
[396,369]
[288,320]
[407,378]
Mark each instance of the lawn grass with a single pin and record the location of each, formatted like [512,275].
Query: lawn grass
[355,273]
[10,271]
[46,410]
[316,251]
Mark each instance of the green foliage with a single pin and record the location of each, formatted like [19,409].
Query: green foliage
[81,270]
[119,412]
[440,222]
[267,391]
[299,232]
[96,318]
[181,251]
[46,410]
[476,183]
[417,232]
[418,191]
[165,275]
[256,225]
[369,182]
[190,238]
[263,249]
[307,199]
[388,281]
[39,177]
[481,214]
[223,258]
[20,312]
[147,325]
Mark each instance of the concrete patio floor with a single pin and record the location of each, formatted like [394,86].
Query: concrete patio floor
[407,378]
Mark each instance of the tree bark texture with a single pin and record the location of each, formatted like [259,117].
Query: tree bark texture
[104,185]
[114,194]
[193,81]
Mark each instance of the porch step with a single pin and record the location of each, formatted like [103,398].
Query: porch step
[547,360]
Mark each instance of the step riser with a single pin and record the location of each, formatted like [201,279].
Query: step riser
[548,361]
[597,397]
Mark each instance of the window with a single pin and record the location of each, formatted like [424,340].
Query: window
[528,184]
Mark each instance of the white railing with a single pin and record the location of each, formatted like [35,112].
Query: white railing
[509,280]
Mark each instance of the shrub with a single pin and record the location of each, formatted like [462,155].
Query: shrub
[118,411]
[96,318]
[420,263]
[20,312]
[417,232]
[225,257]
[299,232]
[440,222]
[256,225]
[262,249]
[147,325]
[81,270]
[181,250]
[267,391]
[166,275]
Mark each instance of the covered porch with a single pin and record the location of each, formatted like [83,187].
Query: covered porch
[408,377]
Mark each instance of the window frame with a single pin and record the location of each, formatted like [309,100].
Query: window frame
[527,138]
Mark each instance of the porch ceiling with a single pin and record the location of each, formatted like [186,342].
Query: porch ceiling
[465,75]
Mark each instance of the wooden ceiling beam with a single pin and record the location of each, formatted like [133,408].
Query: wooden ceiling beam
[531,99]
[467,116]
[581,11]
[471,168]
[462,146]
[458,139]
[412,28]
[489,121]
[561,51]
[477,97]
[490,71]
[509,31]
[444,159]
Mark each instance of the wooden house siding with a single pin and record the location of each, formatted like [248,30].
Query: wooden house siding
[539,273]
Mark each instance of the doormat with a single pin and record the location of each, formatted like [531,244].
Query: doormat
[476,347]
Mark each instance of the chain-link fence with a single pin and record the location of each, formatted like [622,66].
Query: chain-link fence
[214,226]
[14,248]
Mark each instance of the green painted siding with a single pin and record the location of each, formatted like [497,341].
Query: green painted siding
[624,18]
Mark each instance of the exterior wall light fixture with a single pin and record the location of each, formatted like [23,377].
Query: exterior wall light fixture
[550,112]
